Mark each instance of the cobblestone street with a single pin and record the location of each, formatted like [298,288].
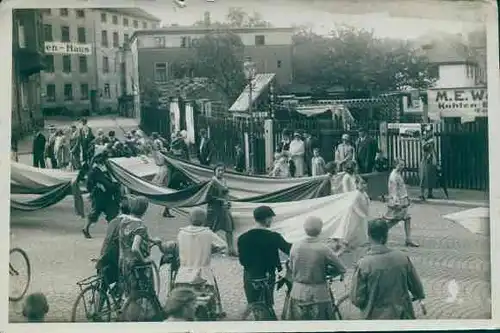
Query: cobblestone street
[60,256]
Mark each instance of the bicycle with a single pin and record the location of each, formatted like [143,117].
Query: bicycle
[15,271]
[262,310]
[105,301]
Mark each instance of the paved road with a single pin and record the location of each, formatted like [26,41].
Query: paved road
[60,257]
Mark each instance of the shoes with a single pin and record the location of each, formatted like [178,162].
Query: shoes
[86,234]
[411,244]
[168,215]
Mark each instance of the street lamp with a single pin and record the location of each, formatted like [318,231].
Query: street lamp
[250,71]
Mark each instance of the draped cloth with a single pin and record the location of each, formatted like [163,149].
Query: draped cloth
[49,187]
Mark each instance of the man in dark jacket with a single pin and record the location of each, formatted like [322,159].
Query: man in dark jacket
[86,141]
[104,192]
[39,142]
[366,148]
[206,148]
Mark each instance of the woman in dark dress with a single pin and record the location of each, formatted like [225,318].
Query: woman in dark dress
[428,166]
[218,214]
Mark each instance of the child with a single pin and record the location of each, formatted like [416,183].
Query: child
[381,162]
[281,166]
[317,163]
[35,308]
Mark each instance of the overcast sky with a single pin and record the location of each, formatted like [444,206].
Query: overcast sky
[285,13]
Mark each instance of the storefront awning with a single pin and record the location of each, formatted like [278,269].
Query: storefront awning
[29,62]
[259,84]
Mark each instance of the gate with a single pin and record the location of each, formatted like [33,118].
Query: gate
[462,152]
[155,120]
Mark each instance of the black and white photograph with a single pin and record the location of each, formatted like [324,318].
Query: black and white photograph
[308,164]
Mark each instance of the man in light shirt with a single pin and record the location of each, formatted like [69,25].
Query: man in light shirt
[195,244]
[399,202]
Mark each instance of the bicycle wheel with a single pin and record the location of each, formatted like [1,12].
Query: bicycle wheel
[19,274]
[142,307]
[257,312]
[345,307]
[95,305]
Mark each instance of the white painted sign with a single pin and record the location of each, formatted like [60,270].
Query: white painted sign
[68,48]
[459,102]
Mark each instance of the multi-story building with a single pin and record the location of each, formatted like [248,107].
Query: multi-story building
[159,50]
[83,49]
[27,62]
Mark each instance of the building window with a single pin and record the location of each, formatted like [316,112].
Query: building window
[63,11]
[107,91]
[47,33]
[136,24]
[105,64]
[125,38]
[160,41]
[125,21]
[66,64]
[64,34]
[161,72]
[116,42]
[81,35]
[278,64]
[68,92]
[51,92]
[84,91]
[260,40]
[80,13]
[104,18]
[115,19]
[83,64]
[144,25]
[104,38]
[49,63]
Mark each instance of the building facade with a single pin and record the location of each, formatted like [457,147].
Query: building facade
[27,62]
[271,49]
[84,51]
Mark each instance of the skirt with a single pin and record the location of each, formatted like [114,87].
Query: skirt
[300,310]
[219,218]
[428,175]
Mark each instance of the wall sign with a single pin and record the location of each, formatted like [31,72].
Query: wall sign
[67,48]
[458,102]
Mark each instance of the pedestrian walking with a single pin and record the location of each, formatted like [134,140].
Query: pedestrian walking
[39,142]
[385,280]
[75,149]
[311,260]
[398,202]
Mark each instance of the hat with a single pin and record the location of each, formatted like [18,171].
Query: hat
[313,226]
[296,134]
[263,212]
[345,136]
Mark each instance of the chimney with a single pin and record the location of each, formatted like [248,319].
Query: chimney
[206,19]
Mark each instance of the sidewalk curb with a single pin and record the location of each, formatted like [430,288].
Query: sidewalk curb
[455,203]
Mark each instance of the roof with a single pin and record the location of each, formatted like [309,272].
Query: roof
[259,83]
[177,30]
[134,12]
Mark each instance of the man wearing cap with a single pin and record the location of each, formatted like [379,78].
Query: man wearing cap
[344,153]
[366,149]
[311,260]
[205,150]
[104,192]
[258,251]
[384,279]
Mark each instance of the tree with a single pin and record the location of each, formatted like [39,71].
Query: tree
[238,18]
[219,57]
[358,61]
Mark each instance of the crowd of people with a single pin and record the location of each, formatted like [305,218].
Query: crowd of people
[299,155]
